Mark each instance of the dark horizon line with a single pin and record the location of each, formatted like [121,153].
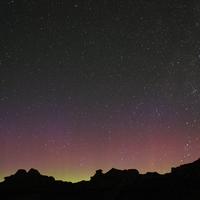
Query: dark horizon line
[122,170]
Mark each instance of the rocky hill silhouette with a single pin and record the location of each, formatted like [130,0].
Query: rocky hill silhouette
[181,183]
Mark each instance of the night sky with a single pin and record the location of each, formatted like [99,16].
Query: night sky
[88,84]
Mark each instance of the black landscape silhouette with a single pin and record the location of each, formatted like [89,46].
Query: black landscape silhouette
[181,183]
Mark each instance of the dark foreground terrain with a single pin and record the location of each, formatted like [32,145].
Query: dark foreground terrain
[182,183]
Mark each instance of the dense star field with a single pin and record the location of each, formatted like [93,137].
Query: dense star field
[88,84]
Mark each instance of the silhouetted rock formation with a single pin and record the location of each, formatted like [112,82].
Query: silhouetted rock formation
[22,178]
[182,183]
[191,170]
[115,177]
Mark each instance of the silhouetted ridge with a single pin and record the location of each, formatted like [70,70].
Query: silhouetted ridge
[182,183]
[115,174]
[188,170]
[23,179]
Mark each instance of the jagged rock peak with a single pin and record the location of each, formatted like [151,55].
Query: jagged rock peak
[20,172]
[33,172]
